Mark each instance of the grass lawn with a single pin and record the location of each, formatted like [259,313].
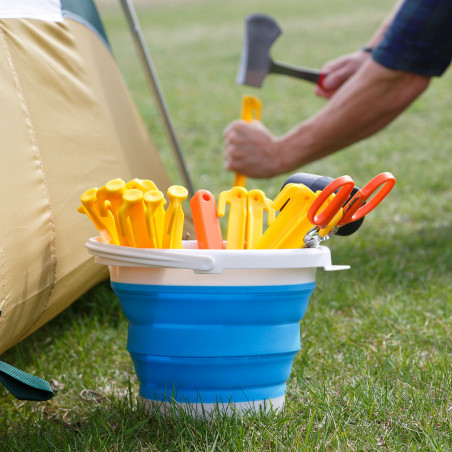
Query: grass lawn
[374,371]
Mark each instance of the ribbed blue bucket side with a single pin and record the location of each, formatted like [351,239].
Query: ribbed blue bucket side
[188,380]
[213,343]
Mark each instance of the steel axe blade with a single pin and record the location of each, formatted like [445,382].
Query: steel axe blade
[261,32]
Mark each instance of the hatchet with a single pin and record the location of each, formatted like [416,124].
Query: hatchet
[255,62]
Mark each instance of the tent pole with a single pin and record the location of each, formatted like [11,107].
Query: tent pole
[151,75]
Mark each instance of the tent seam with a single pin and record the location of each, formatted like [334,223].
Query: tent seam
[35,147]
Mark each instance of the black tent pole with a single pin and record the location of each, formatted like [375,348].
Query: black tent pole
[151,75]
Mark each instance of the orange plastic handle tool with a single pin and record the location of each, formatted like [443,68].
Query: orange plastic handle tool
[251,109]
[358,206]
[345,186]
[205,220]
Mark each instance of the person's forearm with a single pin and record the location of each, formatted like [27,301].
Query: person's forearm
[364,105]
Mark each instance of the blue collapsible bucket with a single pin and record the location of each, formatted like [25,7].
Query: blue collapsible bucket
[213,328]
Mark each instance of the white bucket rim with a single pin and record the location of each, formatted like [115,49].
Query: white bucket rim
[209,260]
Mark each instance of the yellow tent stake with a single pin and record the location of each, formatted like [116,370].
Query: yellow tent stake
[236,197]
[173,227]
[293,202]
[105,225]
[132,219]
[257,204]
[155,216]
[251,109]
[109,198]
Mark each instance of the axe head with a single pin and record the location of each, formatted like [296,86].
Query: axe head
[255,62]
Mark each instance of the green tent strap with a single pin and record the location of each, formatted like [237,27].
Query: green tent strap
[24,386]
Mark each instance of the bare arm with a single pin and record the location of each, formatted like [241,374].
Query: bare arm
[365,105]
[368,102]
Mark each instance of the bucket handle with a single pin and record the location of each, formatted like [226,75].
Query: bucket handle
[124,256]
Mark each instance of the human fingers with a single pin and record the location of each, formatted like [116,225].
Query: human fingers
[339,71]
[335,79]
[232,127]
[338,63]
[321,92]
[251,151]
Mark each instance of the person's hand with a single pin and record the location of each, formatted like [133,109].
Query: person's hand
[339,71]
[250,149]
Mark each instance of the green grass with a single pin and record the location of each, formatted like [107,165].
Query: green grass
[374,369]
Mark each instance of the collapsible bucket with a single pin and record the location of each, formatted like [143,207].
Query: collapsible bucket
[212,328]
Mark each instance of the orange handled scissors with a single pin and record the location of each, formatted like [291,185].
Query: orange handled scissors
[339,212]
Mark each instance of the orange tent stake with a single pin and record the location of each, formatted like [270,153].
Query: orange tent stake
[205,220]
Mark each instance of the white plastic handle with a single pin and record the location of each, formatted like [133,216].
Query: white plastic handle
[123,256]
[210,261]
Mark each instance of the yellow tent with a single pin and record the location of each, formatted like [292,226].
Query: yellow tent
[67,124]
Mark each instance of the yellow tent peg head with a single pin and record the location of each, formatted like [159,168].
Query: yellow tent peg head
[141,184]
[251,108]
[132,196]
[109,196]
[177,191]
[115,186]
[89,196]
[154,197]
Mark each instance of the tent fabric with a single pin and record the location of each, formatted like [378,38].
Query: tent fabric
[68,124]
[84,12]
